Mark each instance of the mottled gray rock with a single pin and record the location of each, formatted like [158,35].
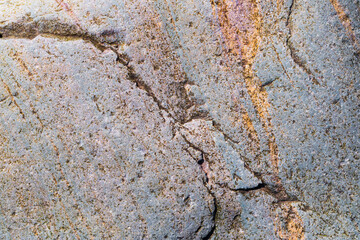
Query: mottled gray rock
[74,150]
[179,119]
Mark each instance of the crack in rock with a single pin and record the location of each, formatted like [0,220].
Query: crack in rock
[293,51]
[244,190]
[73,32]
[214,213]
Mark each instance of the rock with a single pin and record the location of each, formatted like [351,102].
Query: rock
[179,119]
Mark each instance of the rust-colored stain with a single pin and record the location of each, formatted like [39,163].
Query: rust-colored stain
[240,24]
[250,126]
[254,145]
[346,22]
[289,224]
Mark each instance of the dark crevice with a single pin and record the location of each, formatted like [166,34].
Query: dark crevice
[267,83]
[201,160]
[213,215]
[16,30]
[4,98]
[259,186]
[205,183]
[217,126]
[199,228]
[208,236]
[204,154]
[277,192]
[290,12]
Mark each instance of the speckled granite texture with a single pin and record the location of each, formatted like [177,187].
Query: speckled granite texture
[216,119]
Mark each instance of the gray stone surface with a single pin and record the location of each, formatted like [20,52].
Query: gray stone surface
[179,119]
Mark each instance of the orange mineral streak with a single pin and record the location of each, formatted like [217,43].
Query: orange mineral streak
[346,22]
[240,24]
[249,126]
[289,224]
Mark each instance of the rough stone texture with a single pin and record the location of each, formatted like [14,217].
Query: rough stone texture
[185,119]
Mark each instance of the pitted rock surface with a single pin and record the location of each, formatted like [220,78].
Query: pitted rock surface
[179,119]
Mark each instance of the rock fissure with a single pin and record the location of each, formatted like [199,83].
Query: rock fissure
[12,98]
[293,51]
[290,12]
[205,181]
[245,190]
[267,83]
[214,212]
[141,64]
[276,189]
[121,58]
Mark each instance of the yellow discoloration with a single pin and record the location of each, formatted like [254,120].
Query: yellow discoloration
[250,126]
[240,26]
[289,224]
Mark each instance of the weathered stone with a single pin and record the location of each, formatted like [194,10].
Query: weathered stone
[179,119]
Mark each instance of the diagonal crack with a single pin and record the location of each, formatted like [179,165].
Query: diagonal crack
[276,189]
[293,51]
[31,30]
[290,12]
[12,98]
[70,32]
[206,185]
[214,212]
[277,193]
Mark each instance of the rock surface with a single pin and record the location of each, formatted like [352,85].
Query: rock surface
[179,119]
